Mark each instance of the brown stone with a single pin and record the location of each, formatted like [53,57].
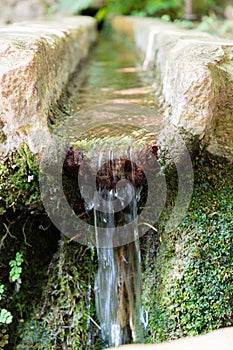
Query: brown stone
[36,61]
[194,79]
[222,338]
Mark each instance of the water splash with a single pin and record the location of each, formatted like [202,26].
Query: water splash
[118,281]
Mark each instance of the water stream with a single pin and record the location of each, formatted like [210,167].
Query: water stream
[118,280]
[115,75]
[114,79]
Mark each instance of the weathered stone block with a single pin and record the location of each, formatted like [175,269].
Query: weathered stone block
[36,61]
[194,72]
[213,340]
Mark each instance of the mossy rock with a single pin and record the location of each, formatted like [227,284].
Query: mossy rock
[19,175]
[31,234]
[65,318]
[188,283]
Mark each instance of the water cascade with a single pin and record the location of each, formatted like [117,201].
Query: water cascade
[118,281]
[112,207]
[121,184]
[110,175]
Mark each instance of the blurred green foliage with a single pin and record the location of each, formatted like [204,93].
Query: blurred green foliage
[125,7]
[174,8]
[145,7]
[73,6]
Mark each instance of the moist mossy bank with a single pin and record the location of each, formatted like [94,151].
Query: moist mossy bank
[188,276]
[19,178]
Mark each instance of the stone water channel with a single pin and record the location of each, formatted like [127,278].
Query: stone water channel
[111,141]
[112,137]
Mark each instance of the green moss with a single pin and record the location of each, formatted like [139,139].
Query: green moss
[35,238]
[2,135]
[188,273]
[19,232]
[66,313]
[189,279]
[19,181]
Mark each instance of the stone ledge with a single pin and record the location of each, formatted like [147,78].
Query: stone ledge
[221,338]
[36,61]
[194,72]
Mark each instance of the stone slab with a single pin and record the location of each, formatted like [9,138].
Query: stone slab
[221,338]
[36,60]
[194,76]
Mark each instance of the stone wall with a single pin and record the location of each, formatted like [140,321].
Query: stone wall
[12,11]
[211,341]
[20,10]
[36,61]
[194,75]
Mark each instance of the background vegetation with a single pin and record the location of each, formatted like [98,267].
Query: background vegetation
[174,8]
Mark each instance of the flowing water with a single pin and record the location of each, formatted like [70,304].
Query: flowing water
[115,78]
[118,281]
[114,75]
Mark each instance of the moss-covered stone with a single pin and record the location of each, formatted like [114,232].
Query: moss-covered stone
[31,234]
[19,186]
[65,317]
[189,277]
[187,273]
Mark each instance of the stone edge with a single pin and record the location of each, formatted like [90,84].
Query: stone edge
[195,98]
[36,60]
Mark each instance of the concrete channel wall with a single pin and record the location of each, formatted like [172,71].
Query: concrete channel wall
[194,76]
[36,60]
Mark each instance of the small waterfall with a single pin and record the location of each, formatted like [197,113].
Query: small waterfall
[110,185]
[118,281]
[110,178]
